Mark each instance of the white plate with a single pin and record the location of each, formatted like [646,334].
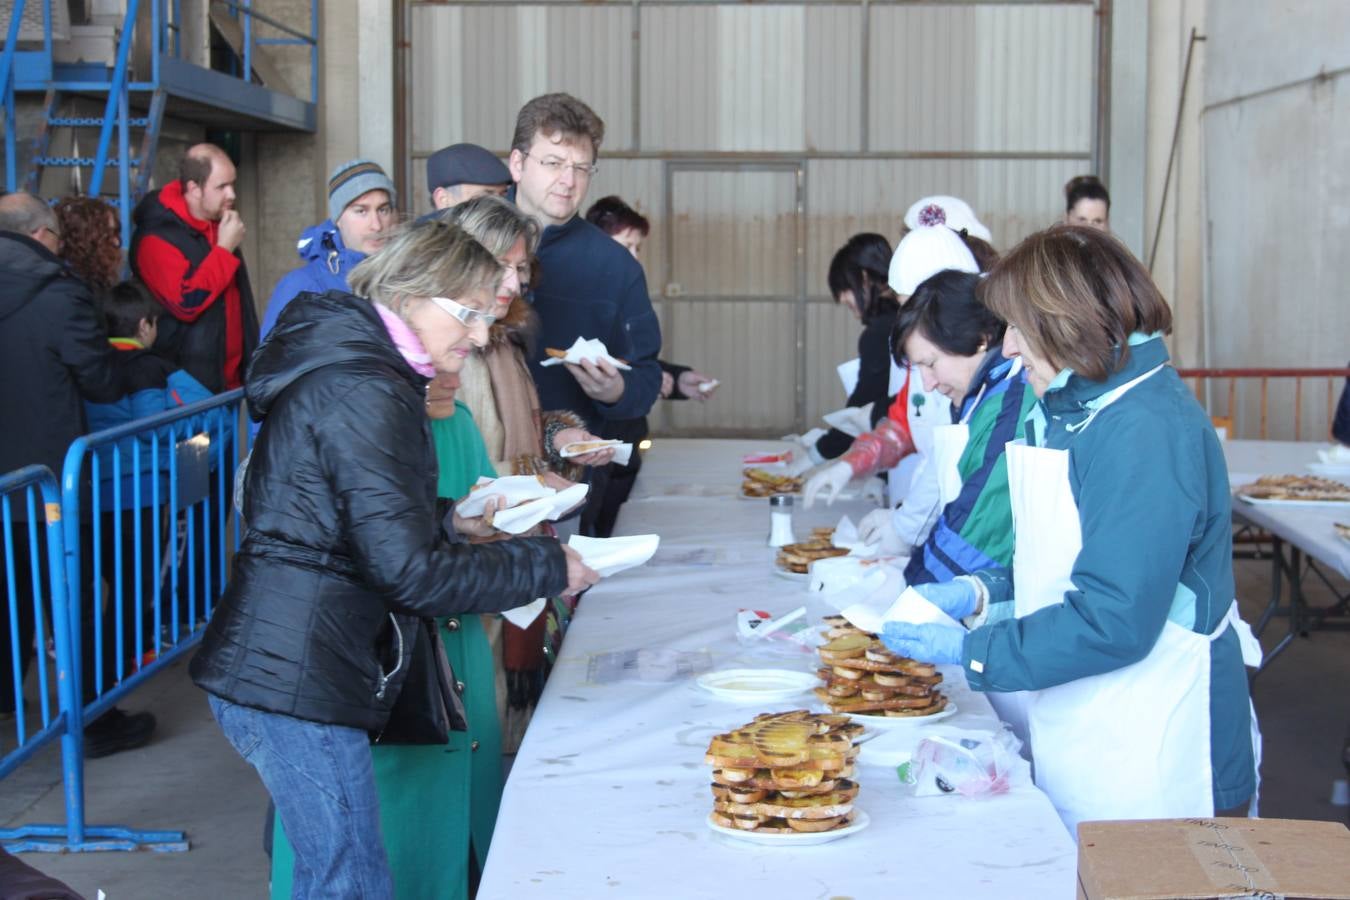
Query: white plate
[790,576]
[890,723]
[1308,504]
[796,838]
[1334,471]
[757,685]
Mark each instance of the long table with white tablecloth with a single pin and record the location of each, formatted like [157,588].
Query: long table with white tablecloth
[1304,535]
[609,794]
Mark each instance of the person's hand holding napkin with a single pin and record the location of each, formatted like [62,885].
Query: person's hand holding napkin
[601,557]
[922,625]
[521,502]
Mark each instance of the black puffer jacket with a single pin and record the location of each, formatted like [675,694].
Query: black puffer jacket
[344,549]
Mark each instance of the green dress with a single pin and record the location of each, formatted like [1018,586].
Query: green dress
[438,801]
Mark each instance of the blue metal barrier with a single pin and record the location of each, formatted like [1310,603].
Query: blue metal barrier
[25,555]
[153,497]
[144,508]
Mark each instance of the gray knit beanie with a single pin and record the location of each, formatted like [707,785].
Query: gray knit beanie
[352,179]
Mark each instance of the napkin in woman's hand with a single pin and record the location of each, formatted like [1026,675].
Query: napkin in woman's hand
[512,489]
[611,555]
[622,451]
[520,519]
[588,349]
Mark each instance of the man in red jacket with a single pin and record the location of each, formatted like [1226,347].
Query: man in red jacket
[186,250]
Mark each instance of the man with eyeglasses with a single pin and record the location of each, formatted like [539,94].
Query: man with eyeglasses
[589,286]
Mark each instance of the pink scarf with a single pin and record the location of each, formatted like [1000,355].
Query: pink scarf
[408,343]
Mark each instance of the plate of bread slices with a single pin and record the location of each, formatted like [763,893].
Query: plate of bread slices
[862,678]
[786,779]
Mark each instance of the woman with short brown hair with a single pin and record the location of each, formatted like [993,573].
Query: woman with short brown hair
[1116,625]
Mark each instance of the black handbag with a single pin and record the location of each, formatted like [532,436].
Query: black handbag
[428,707]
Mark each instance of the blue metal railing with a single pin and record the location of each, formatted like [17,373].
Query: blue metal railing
[35,600]
[155,494]
[52,610]
[143,508]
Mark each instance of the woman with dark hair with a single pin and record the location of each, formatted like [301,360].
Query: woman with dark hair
[857,281]
[954,343]
[91,241]
[1117,616]
[1087,203]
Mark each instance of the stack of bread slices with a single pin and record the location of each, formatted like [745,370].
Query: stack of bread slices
[785,772]
[862,677]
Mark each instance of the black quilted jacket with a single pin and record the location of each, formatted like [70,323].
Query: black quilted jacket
[344,549]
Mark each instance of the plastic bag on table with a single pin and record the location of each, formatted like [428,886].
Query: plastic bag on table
[790,634]
[969,763]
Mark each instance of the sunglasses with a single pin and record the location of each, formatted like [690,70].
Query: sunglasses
[468,317]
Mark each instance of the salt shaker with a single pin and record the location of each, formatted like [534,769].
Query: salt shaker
[780,520]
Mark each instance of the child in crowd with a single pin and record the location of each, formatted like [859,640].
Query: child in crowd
[153,385]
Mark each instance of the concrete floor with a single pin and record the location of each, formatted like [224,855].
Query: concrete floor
[189,778]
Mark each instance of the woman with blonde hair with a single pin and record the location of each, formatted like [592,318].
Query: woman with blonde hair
[1117,618]
[308,654]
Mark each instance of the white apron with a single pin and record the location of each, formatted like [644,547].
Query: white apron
[1128,744]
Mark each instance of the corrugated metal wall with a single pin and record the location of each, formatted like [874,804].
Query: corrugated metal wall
[759,137]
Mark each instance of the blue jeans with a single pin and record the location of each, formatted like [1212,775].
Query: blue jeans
[322,781]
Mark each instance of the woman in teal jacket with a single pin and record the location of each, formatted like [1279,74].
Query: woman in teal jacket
[1118,617]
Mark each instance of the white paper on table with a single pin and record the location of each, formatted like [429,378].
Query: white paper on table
[588,349]
[512,489]
[622,451]
[848,375]
[1335,455]
[520,519]
[524,616]
[611,555]
[851,420]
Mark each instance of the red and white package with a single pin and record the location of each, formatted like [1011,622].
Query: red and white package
[766,458]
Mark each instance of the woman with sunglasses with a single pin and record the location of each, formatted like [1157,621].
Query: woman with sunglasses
[346,555]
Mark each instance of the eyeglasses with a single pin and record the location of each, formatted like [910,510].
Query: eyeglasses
[555,165]
[468,317]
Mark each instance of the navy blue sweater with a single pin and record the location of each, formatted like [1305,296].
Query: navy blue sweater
[590,287]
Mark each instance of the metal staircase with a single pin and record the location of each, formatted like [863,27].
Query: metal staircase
[146,72]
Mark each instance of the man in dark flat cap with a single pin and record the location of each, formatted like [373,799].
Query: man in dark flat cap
[461,172]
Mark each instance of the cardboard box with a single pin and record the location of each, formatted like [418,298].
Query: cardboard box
[1198,859]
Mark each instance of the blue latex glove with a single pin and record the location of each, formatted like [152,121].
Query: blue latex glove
[956,598]
[926,643]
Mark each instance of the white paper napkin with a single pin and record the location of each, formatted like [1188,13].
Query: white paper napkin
[611,555]
[591,349]
[512,489]
[909,607]
[845,534]
[1335,455]
[524,616]
[520,519]
[706,386]
[851,420]
[622,451]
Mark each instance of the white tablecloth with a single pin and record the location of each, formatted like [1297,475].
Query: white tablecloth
[1310,529]
[609,794]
